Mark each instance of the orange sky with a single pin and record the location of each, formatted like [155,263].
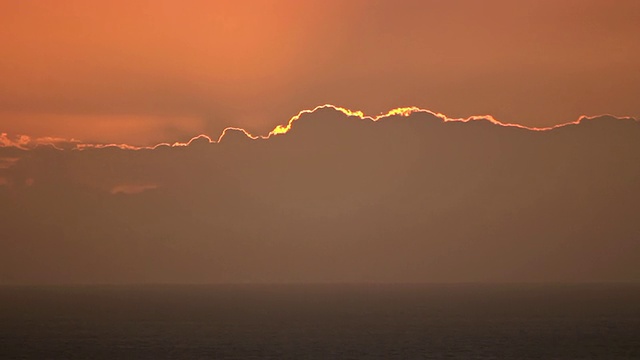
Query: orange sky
[143,72]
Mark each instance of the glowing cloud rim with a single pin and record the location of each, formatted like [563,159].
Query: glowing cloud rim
[25,143]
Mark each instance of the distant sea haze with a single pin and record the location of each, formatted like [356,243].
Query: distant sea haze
[337,198]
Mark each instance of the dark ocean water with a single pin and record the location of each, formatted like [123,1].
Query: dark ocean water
[321,322]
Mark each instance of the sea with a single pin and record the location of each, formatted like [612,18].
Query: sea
[321,321]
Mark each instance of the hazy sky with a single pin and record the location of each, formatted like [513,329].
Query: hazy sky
[142,72]
[415,196]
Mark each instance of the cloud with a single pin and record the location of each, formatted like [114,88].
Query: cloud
[332,195]
[8,162]
[131,189]
[25,142]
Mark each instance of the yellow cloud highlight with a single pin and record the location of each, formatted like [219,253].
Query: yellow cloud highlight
[402,111]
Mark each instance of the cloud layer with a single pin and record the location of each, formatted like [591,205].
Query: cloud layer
[332,196]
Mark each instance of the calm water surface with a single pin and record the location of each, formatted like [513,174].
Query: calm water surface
[321,322]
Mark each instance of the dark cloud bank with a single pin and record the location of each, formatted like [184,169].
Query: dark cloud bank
[341,199]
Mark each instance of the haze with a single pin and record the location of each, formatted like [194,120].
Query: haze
[185,142]
[145,72]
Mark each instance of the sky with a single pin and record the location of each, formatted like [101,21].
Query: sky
[145,72]
[319,141]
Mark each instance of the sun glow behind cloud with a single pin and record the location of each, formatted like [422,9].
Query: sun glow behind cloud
[142,73]
[25,142]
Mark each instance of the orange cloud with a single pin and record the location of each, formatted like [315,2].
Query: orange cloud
[96,129]
[8,162]
[25,142]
